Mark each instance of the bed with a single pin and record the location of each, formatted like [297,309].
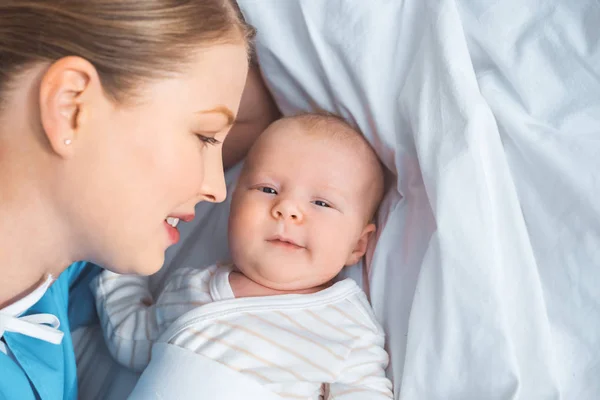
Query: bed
[485,273]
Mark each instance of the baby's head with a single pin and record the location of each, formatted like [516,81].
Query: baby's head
[304,203]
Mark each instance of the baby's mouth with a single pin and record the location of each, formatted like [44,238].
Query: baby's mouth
[285,242]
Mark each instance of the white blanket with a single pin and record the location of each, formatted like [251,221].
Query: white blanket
[174,373]
[485,275]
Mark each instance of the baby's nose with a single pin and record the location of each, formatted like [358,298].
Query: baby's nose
[286,209]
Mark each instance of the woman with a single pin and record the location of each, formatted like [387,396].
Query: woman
[112,115]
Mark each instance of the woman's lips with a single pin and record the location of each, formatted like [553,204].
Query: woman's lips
[173,233]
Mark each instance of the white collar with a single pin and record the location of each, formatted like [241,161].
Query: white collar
[40,326]
[219,286]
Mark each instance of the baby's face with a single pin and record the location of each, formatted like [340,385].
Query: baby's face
[300,211]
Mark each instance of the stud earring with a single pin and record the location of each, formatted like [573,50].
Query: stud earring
[68,141]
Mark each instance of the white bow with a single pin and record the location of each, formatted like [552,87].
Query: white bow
[40,326]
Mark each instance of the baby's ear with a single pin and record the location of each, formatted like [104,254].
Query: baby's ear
[361,246]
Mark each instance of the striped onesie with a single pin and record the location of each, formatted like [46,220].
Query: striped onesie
[325,345]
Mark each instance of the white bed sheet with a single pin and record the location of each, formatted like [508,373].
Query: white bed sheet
[485,274]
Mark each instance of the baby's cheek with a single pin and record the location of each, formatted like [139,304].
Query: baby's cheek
[247,222]
[245,226]
[333,247]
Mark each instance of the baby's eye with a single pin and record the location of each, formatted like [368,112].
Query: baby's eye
[321,203]
[268,190]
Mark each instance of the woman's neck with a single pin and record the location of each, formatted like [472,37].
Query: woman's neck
[27,255]
[31,241]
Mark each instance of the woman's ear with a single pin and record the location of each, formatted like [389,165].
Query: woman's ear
[63,100]
[361,246]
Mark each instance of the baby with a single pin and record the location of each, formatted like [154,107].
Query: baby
[301,212]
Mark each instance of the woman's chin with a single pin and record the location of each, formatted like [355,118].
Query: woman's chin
[143,266]
[151,267]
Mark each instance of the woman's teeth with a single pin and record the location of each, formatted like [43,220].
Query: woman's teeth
[172,221]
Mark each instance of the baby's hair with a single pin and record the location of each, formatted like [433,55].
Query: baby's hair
[128,41]
[333,125]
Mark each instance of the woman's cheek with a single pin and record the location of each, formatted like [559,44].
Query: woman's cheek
[189,173]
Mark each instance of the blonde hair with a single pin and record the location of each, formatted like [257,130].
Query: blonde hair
[128,41]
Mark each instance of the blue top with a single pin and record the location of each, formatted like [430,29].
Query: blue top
[44,370]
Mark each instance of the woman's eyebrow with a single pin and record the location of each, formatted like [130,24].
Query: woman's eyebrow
[226,112]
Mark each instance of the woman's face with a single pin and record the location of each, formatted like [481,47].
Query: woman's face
[136,166]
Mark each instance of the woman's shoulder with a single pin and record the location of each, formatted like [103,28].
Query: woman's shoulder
[13,380]
[48,367]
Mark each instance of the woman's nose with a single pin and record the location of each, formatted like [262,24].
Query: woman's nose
[213,188]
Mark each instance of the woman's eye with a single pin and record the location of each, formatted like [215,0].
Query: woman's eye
[321,203]
[208,140]
[267,190]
